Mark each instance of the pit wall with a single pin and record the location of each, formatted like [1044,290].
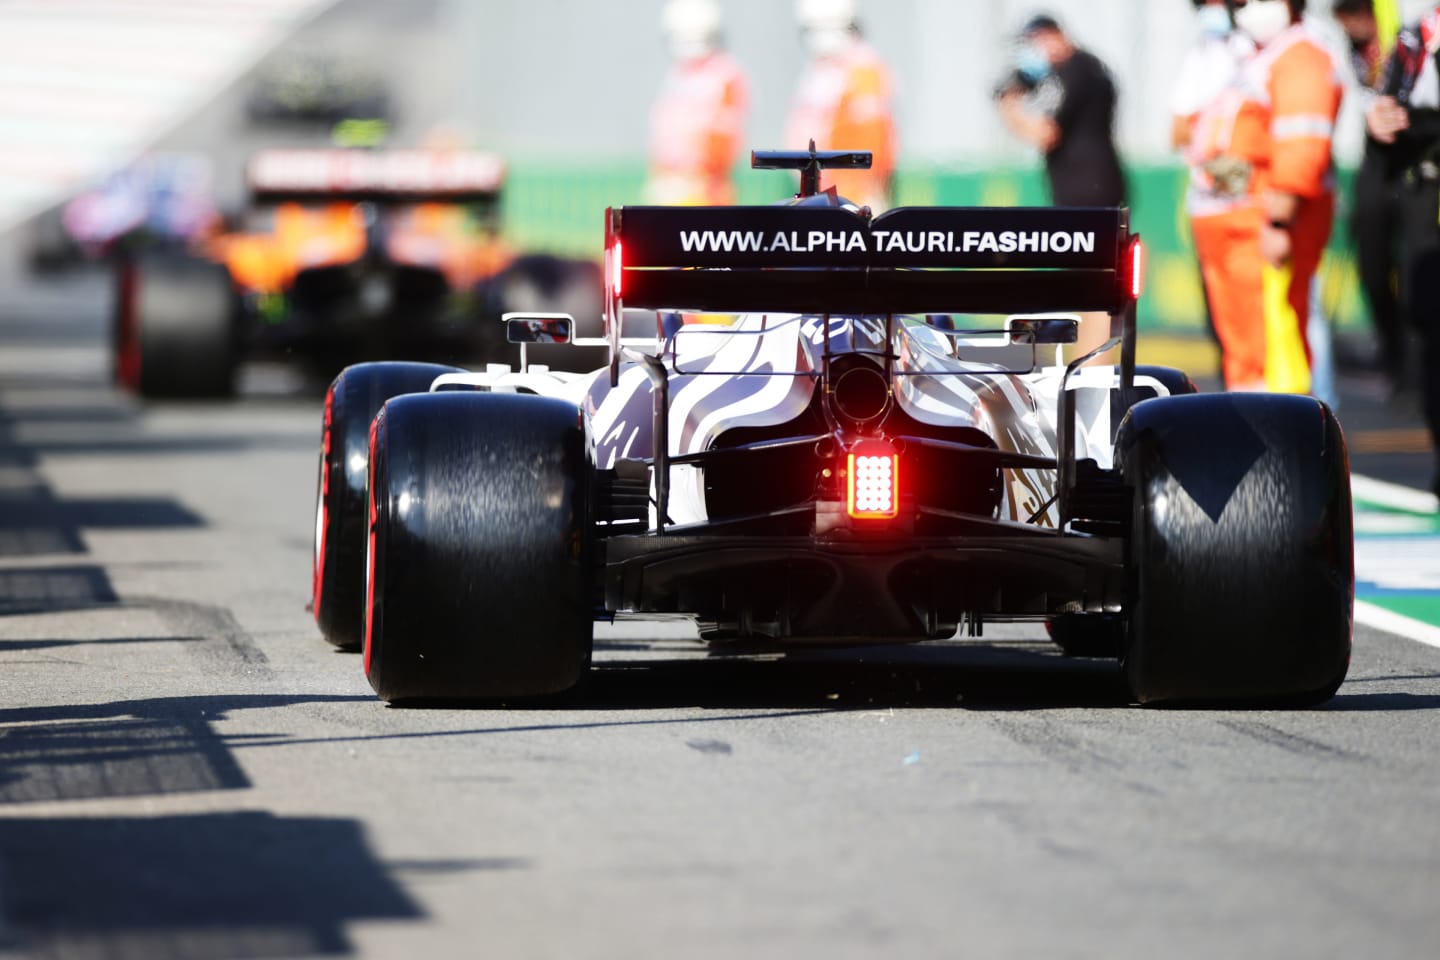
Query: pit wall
[560,209]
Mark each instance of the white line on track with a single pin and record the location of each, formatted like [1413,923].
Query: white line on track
[1402,626]
[1396,497]
[1393,495]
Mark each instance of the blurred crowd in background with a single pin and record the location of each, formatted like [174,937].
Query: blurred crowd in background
[1254,114]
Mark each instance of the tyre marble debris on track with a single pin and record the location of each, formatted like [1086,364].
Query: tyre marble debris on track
[85,85]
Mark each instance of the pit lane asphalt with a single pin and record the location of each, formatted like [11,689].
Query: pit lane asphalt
[187,770]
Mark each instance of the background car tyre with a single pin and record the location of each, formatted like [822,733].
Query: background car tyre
[479,572]
[351,402]
[52,249]
[177,327]
[1176,381]
[1242,561]
[541,283]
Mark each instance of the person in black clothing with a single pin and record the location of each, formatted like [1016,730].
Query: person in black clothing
[1068,114]
[1405,121]
[1061,100]
[1377,201]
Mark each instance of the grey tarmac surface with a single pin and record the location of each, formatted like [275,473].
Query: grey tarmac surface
[187,770]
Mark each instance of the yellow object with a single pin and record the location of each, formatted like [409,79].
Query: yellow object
[1387,25]
[1287,365]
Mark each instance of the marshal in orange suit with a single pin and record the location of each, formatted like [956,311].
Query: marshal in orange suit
[1266,144]
[844,101]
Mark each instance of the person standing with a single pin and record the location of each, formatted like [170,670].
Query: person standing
[1405,121]
[1062,102]
[1265,143]
[1210,66]
[844,101]
[697,122]
[1375,216]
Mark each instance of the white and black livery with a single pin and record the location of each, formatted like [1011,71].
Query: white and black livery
[852,454]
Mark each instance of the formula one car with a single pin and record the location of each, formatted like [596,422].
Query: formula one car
[852,461]
[162,201]
[358,254]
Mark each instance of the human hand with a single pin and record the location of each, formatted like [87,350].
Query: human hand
[1276,245]
[1011,101]
[1232,175]
[1386,118]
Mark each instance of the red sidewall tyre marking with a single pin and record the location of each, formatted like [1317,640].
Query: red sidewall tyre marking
[322,523]
[373,518]
[127,336]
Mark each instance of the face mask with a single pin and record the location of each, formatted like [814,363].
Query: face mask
[683,47]
[1214,20]
[1263,20]
[826,41]
[1032,64]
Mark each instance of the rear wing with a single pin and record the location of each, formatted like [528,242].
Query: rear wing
[455,176]
[829,259]
[818,258]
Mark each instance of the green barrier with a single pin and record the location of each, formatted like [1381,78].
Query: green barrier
[560,209]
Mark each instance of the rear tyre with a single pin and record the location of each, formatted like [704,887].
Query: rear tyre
[479,572]
[351,402]
[1241,564]
[51,247]
[176,327]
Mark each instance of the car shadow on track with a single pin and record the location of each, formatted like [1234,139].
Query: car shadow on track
[1345,702]
[975,675]
[990,676]
[47,589]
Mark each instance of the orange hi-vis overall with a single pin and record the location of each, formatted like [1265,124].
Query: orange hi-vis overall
[845,103]
[1271,131]
[697,129]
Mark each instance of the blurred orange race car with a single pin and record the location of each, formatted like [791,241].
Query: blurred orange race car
[351,254]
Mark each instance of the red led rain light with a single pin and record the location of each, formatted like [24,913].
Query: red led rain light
[872,487]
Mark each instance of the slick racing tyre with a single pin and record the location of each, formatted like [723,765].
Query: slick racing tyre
[51,247]
[1241,552]
[356,395]
[479,573]
[176,327]
[1177,382]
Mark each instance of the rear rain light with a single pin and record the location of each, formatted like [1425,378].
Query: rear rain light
[617,267]
[872,487]
[1137,269]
